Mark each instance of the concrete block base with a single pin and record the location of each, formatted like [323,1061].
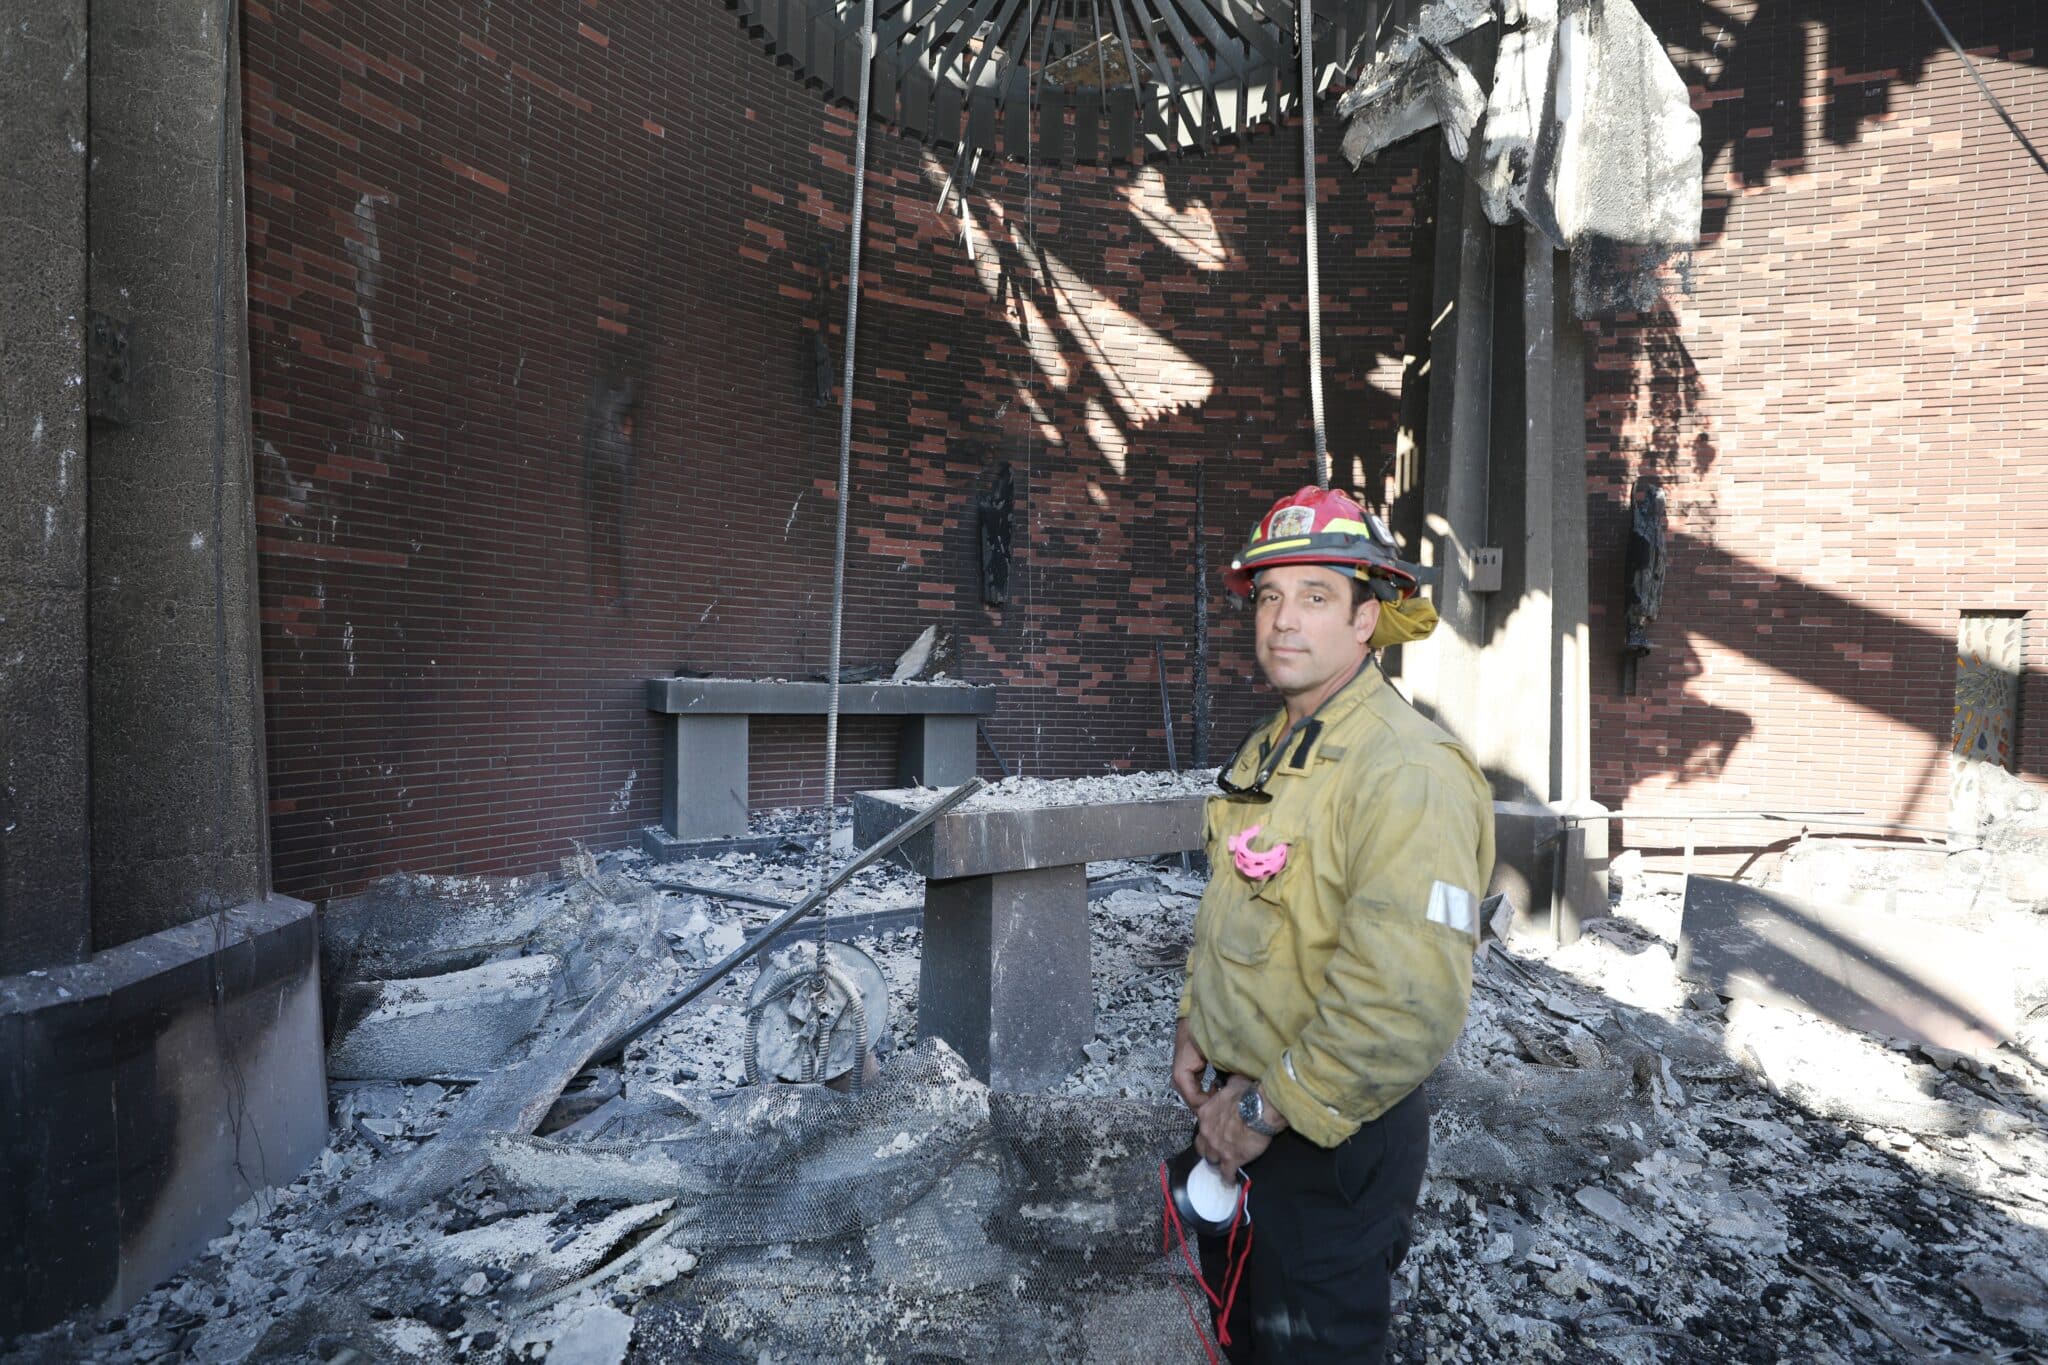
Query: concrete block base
[1552,868]
[936,751]
[704,782]
[136,1113]
[1005,977]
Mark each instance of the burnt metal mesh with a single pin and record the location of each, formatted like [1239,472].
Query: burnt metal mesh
[926,1220]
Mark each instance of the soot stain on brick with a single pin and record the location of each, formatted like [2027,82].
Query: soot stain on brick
[608,458]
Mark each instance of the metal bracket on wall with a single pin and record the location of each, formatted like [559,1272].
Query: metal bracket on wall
[1486,564]
[106,368]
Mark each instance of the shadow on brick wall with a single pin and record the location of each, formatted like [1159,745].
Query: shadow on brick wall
[1825,639]
[1744,58]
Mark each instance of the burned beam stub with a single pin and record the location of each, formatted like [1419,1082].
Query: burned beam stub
[1573,84]
[1645,567]
[994,509]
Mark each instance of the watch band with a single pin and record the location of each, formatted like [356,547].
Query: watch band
[1251,1107]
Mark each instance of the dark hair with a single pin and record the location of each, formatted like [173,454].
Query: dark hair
[1363,590]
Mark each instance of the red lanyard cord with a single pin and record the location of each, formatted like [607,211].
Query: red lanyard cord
[1234,1261]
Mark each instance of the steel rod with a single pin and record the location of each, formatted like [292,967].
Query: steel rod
[860,177]
[881,849]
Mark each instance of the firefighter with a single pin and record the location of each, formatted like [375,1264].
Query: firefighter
[1332,958]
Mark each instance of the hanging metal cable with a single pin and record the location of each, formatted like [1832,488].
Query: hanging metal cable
[1305,21]
[1984,89]
[860,180]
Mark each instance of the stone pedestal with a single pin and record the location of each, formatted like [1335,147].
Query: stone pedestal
[1005,977]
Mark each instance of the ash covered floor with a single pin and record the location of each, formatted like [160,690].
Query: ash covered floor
[1624,1168]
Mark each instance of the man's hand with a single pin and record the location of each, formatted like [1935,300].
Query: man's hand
[1221,1137]
[1188,1066]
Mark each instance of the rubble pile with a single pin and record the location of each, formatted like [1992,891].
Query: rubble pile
[1624,1166]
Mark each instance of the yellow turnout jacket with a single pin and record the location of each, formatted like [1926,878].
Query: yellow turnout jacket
[1342,980]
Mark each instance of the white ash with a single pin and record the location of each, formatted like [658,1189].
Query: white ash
[1705,1216]
[936,680]
[1033,793]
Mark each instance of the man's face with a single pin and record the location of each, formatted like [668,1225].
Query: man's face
[1310,637]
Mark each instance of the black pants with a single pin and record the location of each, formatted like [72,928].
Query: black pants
[1330,1226]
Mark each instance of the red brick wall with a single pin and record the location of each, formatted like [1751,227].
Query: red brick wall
[532,293]
[1847,411]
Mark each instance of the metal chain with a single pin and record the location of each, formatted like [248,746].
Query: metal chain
[1305,18]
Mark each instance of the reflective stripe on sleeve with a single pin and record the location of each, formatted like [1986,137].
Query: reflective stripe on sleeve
[1451,906]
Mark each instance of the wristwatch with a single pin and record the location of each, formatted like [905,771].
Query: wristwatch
[1251,1107]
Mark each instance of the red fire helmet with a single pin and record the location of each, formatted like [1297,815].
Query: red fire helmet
[1322,526]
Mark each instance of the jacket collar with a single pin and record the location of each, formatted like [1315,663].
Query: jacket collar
[1302,754]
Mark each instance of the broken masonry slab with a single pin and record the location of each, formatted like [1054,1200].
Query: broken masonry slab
[705,736]
[405,925]
[458,1023]
[1851,962]
[516,1097]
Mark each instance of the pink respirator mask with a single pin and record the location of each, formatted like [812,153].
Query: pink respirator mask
[1255,864]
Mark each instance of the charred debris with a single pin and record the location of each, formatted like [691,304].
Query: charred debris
[1626,1165]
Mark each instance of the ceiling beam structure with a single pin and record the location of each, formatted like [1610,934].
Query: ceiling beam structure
[1065,81]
